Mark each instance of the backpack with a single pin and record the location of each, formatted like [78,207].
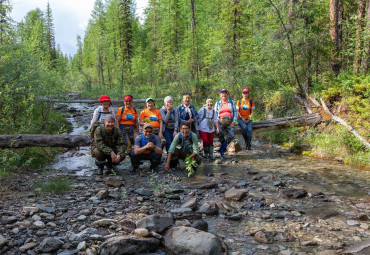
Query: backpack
[181,135]
[250,102]
[204,114]
[93,128]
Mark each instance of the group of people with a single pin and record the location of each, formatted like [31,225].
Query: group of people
[117,135]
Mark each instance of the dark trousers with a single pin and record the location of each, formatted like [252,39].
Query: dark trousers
[155,159]
[179,154]
[101,156]
[168,135]
[226,129]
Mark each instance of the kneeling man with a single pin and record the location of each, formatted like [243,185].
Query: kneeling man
[108,147]
[147,147]
[184,144]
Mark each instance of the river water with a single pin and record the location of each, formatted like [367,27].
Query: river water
[260,169]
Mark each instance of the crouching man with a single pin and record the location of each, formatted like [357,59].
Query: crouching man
[108,147]
[147,147]
[184,144]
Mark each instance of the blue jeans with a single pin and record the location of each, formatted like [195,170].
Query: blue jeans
[245,127]
[168,135]
[228,130]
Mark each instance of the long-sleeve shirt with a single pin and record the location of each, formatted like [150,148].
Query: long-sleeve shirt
[187,145]
[205,115]
[99,115]
[105,140]
[181,110]
[172,120]
[232,108]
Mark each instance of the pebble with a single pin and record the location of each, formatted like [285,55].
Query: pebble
[39,224]
[353,223]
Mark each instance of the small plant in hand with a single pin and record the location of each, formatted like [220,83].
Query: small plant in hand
[190,165]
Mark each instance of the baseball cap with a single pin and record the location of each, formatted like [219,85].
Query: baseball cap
[148,99]
[147,125]
[223,90]
[245,90]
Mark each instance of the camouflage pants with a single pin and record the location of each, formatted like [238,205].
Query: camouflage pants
[179,154]
[101,156]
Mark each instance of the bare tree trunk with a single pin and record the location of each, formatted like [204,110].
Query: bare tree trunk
[366,53]
[195,43]
[359,30]
[336,17]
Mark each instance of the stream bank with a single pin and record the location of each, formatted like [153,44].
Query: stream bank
[290,204]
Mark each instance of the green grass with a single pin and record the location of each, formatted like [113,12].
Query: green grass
[55,185]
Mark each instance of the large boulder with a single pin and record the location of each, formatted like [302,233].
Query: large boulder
[156,223]
[121,245]
[190,241]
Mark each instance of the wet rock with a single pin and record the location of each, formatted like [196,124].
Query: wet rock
[113,182]
[181,210]
[309,243]
[102,194]
[278,183]
[128,245]
[87,234]
[81,246]
[361,248]
[144,192]
[9,220]
[191,241]
[293,193]
[191,203]
[157,223]
[209,208]
[103,222]
[235,194]
[100,211]
[50,244]
[143,232]
[50,210]
[27,246]
[201,225]
[3,241]
[241,184]
[235,217]
[127,225]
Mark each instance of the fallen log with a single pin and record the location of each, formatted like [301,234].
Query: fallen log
[91,101]
[71,141]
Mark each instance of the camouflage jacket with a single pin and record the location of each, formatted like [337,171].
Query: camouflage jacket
[105,141]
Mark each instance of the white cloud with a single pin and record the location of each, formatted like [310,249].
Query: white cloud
[70,17]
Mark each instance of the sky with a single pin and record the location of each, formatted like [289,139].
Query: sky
[70,17]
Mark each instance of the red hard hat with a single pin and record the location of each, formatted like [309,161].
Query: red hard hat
[104,98]
[245,90]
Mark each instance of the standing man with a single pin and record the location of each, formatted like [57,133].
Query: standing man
[147,147]
[108,147]
[188,143]
[227,114]
[187,112]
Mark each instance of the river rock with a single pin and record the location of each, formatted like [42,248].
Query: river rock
[209,208]
[361,248]
[128,245]
[143,232]
[353,223]
[113,182]
[293,193]
[27,246]
[46,209]
[144,192]
[9,220]
[102,194]
[3,241]
[235,194]
[191,241]
[39,224]
[103,222]
[201,225]
[30,209]
[270,237]
[157,223]
[127,225]
[50,244]
[191,203]
[234,146]
[87,234]
[181,210]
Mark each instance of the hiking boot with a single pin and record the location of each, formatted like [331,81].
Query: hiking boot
[154,168]
[211,157]
[100,165]
[206,151]
[133,169]
[249,141]
[222,149]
